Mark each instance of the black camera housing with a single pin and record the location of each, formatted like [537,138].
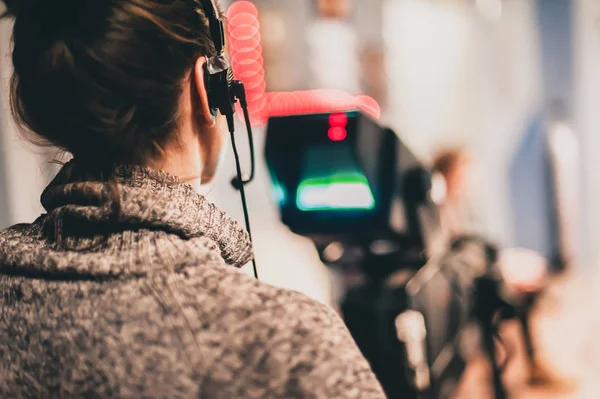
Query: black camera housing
[340,177]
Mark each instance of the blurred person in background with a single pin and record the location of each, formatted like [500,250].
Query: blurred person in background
[129,285]
[454,166]
[525,271]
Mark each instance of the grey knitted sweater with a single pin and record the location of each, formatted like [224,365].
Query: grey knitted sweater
[142,298]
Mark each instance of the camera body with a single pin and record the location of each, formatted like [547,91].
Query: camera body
[341,178]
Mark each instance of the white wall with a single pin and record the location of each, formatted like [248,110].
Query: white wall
[511,96]
[587,113]
[430,51]
[22,168]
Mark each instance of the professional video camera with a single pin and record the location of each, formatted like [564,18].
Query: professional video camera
[336,181]
[367,203]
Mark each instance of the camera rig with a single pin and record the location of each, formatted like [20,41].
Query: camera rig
[367,203]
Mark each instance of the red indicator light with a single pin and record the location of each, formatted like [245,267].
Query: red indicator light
[338,120]
[337,133]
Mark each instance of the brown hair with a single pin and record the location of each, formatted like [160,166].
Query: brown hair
[102,79]
[446,161]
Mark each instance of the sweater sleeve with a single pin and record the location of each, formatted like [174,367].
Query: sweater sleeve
[314,356]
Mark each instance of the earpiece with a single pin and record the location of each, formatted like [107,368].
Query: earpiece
[222,89]
[218,75]
[223,93]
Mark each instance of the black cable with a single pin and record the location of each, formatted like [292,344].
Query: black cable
[238,168]
[250,143]
[240,92]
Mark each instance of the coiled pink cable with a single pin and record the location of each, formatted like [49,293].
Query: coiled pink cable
[248,66]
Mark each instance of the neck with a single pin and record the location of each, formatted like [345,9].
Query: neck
[84,217]
[183,160]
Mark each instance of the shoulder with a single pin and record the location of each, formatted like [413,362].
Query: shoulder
[235,289]
[18,230]
[299,345]
[18,241]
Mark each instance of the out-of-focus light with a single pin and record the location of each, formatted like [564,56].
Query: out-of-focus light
[369,105]
[344,192]
[334,251]
[246,56]
[384,247]
[491,9]
[315,102]
[523,270]
[246,28]
[338,119]
[337,133]
[439,189]
[241,7]
[563,143]
[279,194]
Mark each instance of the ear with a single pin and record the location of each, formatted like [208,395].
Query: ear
[203,105]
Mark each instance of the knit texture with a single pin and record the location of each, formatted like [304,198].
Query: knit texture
[142,297]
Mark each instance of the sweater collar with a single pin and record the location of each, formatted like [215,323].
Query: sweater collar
[151,215]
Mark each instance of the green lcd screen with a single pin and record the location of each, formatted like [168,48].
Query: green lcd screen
[331,180]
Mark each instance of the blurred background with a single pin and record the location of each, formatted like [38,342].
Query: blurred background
[501,79]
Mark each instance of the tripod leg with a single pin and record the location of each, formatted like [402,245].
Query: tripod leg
[487,305]
[525,326]
[490,348]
